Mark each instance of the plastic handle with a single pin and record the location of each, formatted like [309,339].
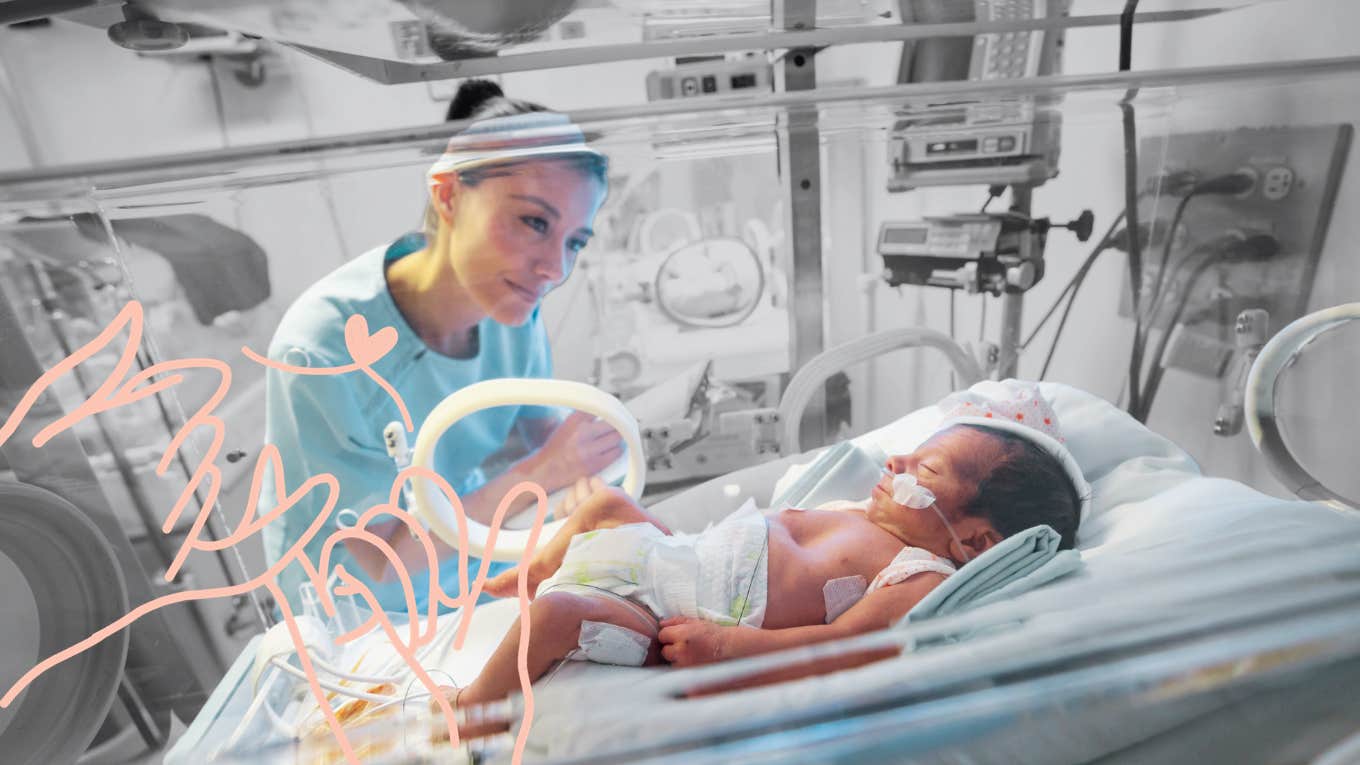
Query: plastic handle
[432,507]
[1259,402]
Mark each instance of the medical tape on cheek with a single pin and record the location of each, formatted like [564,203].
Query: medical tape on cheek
[907,492]
[842,593]
[605,643]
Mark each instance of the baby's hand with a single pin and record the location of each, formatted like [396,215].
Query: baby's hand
[578,493]
[686,642]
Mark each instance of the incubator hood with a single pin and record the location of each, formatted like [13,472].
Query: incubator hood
[394,41]
[254,225]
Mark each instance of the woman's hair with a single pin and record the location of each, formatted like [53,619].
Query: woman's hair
[1026,488]
[484,99]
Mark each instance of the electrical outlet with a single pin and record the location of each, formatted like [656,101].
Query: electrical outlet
[1298,170]
[1278,182]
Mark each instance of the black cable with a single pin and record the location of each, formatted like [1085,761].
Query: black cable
[1126,35]
[1172,277]
[1228,249]
[1156,371]
[1052,309]
[1057,334]
[1102,244]
[1135,243]
[1155,297]
[993,193]
[1231,183]
[1144,321]
[1078,280]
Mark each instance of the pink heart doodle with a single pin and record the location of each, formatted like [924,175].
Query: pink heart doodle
[367,348]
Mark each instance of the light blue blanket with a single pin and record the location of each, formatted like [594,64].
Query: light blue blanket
[1016,565]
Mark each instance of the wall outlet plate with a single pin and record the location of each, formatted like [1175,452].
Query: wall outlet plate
[1298,170]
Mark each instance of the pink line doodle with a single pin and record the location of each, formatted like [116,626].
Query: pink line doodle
[366,349]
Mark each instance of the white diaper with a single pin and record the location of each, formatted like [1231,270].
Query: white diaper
[719,575]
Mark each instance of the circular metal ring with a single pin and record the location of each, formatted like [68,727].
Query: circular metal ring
[729,320]
[78,587]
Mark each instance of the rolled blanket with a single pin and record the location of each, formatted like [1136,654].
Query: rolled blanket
[1017,564]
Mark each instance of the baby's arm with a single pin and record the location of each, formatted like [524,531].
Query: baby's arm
[686,642]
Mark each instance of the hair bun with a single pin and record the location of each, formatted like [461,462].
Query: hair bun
[471,97]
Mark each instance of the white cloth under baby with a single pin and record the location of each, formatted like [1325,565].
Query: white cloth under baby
[720,574]
[908,563]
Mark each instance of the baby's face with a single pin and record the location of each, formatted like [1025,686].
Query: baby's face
[951,465]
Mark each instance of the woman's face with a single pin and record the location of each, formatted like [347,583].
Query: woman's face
[517,232]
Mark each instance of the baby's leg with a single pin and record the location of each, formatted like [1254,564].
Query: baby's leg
[605,509]
[554,630]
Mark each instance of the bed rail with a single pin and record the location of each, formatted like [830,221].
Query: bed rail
[808,381]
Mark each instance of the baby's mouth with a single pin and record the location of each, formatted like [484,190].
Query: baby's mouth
[885,484]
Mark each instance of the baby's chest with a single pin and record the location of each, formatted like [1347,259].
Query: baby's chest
[849,545]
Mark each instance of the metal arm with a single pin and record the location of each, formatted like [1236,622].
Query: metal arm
[810,377]
[1262,422]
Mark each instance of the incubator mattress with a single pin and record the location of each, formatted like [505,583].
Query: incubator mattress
[1167,552]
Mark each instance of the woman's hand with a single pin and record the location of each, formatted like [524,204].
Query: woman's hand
[579,447]
[686,642]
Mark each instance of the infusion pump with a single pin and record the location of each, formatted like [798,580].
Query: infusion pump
[1012,142]
[977,252]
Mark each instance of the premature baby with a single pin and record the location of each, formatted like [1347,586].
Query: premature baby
[759,582]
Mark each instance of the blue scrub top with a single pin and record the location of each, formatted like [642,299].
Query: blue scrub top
[333,423]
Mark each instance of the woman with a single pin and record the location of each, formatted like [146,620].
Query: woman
[506,219]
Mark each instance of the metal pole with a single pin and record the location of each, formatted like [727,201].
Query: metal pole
[801,156]
[1013,300]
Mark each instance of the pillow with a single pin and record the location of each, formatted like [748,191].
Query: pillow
[1122,459]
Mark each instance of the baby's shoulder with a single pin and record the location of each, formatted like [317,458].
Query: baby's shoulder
[910,562]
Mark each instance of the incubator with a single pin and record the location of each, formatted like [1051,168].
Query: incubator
[783,281]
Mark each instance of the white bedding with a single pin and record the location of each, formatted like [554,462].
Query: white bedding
[1153,518]
[1161,541]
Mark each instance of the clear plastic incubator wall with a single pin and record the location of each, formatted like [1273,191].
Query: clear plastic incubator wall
[822,219]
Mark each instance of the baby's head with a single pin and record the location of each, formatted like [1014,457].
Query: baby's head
[991,476]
